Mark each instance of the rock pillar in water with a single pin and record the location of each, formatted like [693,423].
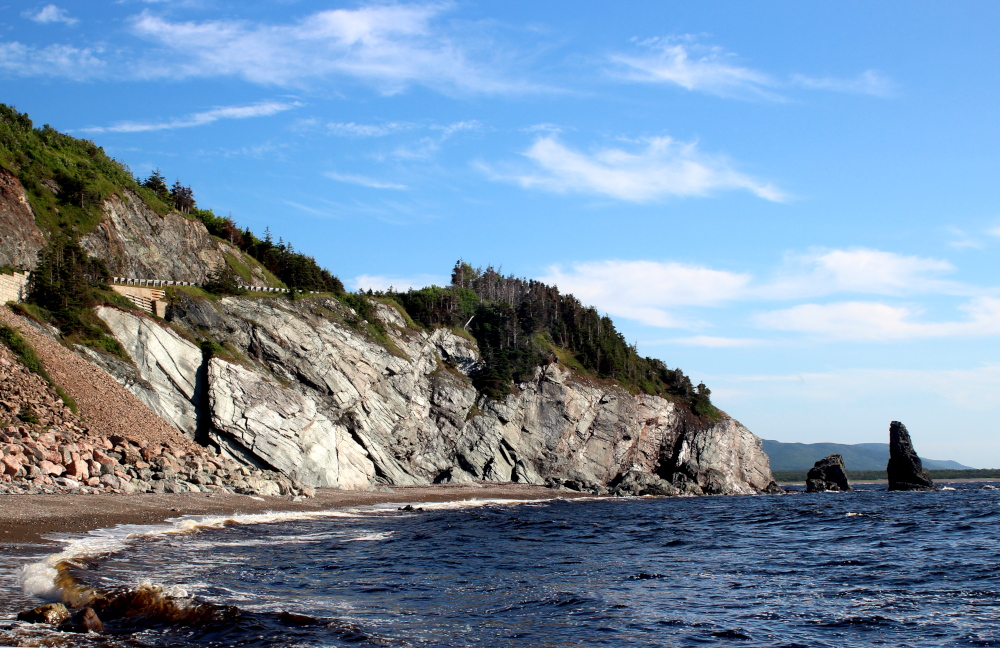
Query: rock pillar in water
[906,473]
[829,474]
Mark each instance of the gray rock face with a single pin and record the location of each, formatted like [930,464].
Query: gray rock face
[326,405]
[21,239]
[828,474]
[282,428]
[905,471]
[137,242]
[169,368]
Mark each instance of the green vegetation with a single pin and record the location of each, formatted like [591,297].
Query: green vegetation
[20,347]
[367,321]
[66,179]
[520,324]
[27,414]
[65,288]
[224,281]
[799,476]
[291,268]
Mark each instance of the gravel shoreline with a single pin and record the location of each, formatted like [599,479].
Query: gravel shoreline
[28,519]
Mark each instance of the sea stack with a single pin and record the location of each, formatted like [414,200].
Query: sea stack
[906,473]
[828,474]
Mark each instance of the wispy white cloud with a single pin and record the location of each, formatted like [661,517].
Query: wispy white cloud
[64,61]
[685,62]
[875,321]
[664,294]
[364,181]
[870,82]
[384,282]
[860,270]
[664,169]
[425,148]
[645,290]
[447,130]
[352,129]
[692,66]
[263,109]
[49,14]
[389,46]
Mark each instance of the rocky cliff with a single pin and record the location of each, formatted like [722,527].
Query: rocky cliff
[305,388]
[136,242]
[132,239]
[20,237]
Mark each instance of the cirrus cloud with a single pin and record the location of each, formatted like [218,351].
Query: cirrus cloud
[665,168]
[685,62]
[389,46]
[262,109]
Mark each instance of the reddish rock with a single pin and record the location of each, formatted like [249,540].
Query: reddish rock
[102,458]
[50,468]
[77,469]
[10,464]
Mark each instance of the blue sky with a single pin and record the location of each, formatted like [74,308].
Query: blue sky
[794,202]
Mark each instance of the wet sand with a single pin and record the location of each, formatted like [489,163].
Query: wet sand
[27,519]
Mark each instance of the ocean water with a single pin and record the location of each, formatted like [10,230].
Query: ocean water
[869,568]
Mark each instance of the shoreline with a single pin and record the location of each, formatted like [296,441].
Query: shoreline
[27,519]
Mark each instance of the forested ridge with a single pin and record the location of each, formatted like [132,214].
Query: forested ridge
[520,324]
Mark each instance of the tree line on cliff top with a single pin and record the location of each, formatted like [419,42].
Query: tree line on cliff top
[519,324]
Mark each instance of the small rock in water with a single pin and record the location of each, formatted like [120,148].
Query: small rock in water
[828,474]
[50,613]
[409,507]
[86,620]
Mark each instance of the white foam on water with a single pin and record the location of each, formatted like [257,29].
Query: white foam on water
[38,578]
[452,505]
[370,537]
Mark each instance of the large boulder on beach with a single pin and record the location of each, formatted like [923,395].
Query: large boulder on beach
[828,475]
[905,471]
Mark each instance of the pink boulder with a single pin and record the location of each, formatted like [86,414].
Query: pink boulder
[49,468]
[77,469]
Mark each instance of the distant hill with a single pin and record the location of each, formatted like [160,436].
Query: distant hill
[860,456]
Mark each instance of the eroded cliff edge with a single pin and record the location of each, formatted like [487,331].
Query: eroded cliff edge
[306,390]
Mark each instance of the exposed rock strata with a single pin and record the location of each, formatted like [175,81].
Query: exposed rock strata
[135,241]
[828,474]
[905,471]
[319,400]
[21,239]
[61,452]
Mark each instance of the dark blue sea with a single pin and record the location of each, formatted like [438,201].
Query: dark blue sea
[869,568]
